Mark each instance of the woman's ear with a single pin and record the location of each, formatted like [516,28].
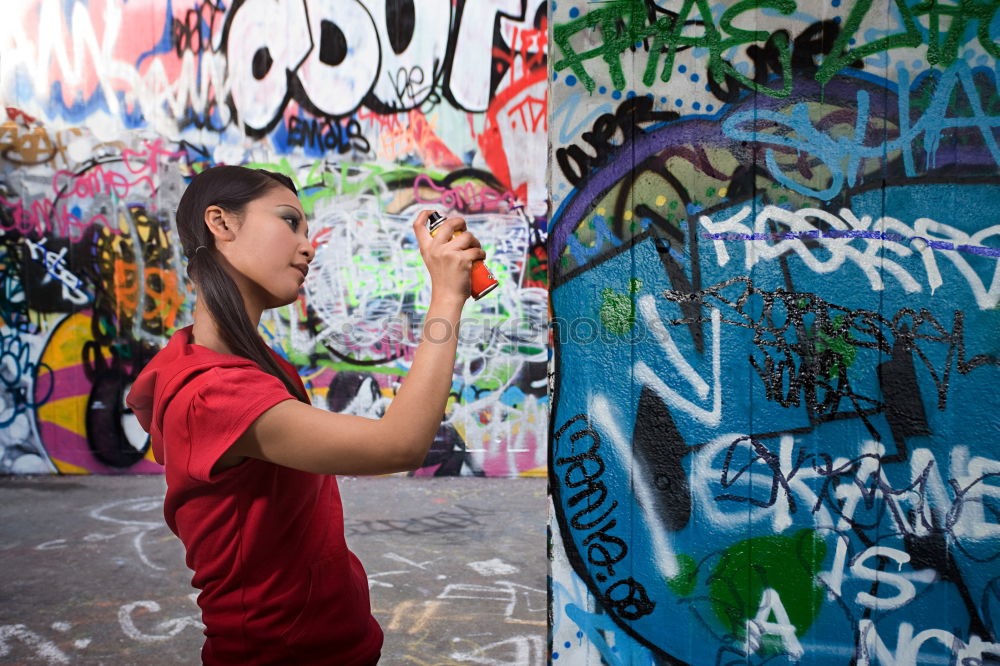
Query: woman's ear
[219,223]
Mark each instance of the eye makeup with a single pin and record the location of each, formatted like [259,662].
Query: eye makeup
[288,213]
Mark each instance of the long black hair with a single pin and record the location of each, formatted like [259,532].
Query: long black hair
[230,188]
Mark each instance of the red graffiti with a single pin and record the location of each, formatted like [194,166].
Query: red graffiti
[14,113]
[515,107]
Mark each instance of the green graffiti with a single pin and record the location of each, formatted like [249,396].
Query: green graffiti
[326,181]
[838,341]
[627,24]
[684,582]
[841,55]
[713,40]
[618,310]
[538,267]
[959,16]
[789,565]
[623,23]
[942,47]
[496,374]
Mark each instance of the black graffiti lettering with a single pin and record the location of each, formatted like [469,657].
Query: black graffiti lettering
[807,358]
[815,41]
[773,57]
[602,549]
[626,122]
[575,163]
[189,34]
[591,507]
[356,137]
[340,137]
[577,436]
[607,560]
[628,598]
[769,458]
[577,475]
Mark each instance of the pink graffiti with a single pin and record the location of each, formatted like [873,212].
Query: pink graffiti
[94,182]
[393,349]
[148,158]
[98,180]
[467,197]
[43,218]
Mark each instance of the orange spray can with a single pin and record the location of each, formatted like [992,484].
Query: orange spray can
[483,281]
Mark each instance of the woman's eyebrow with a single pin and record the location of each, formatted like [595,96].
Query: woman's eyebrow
[295,211]
[292,209]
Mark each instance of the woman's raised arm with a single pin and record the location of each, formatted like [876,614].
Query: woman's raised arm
[302,437]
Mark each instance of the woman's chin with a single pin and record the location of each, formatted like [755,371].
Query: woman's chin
[281,300]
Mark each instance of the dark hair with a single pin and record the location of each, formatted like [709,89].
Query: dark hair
[230,188]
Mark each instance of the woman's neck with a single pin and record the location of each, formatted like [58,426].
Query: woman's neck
[205,332]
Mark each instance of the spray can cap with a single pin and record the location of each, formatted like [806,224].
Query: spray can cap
[434,220]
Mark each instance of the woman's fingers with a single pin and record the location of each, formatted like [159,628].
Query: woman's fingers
[420,229]
[448,254]
[449,228]
[464,240]
[474,254]
[451,236]
[453,232]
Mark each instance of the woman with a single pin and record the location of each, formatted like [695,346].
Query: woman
[249,463]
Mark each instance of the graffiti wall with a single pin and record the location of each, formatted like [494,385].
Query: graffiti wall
[375,109]
[775,285]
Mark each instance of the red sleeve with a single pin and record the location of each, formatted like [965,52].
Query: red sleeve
[223,404]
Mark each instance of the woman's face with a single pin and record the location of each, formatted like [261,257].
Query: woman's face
[271,250]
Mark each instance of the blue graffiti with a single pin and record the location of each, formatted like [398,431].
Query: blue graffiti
[797,395]
[17,371]
[833,152]
[597,628]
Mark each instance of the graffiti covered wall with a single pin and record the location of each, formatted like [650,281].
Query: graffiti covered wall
[375,109]
[775,284]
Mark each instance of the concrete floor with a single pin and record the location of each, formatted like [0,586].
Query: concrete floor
[89,573]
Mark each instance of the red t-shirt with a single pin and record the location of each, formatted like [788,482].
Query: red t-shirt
[266,543]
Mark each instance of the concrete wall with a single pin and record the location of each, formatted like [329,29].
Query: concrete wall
[375,109]
[774,245]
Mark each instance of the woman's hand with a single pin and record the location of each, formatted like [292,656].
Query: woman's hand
[448,256]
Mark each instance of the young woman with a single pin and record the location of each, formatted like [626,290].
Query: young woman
[250,465]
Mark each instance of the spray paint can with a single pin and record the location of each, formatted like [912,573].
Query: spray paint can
[483,281]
